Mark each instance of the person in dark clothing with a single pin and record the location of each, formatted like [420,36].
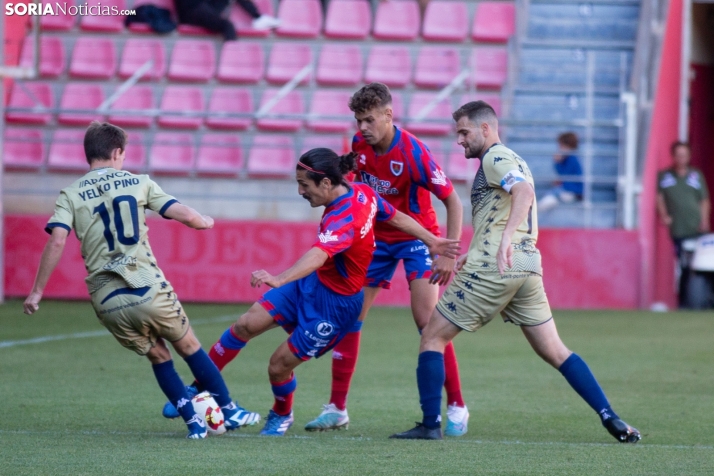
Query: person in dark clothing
[213,16]
[566,164]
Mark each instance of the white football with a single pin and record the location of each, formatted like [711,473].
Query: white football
[209,411]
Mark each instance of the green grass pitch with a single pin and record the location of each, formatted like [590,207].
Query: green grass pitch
[84,405]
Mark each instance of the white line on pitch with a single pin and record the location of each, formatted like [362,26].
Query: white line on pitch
[101,332]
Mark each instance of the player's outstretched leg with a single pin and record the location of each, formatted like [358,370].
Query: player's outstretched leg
[546,342]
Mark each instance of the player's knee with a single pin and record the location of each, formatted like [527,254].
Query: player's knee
[241,328]
[278,371]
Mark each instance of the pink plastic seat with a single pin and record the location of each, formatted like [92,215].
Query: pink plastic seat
[436,66]
[459,168]
[23,149]
[490,65]
[102,21]
[299,18]
[144,27]
[397,20]
[193,60]
[52,55]
[390,65]
[186,29]
[172,153]
[329,111]
[93,58]
[286,60]
[492,98]
[135,160]
[244,22]
[436,122]
[80,96]
[336,143]
[137,99]
[272,155]
[292,103]
[397,106]
[241,62]
[340,65]
[19,98]
[138,51]
[67,151]
[59,22]
[348,20]
[179,100]
[494,21]
[446,21]
[226,101]
[219,155]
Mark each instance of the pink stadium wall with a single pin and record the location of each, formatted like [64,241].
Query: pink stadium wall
[584,269]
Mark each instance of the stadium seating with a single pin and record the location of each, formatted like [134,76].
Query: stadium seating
[182,100]
[172,153]
[272,155]
[80,96]
[23,149]
[397,20]
[459,168]
[292,103]
[329,112]
[219,155]
[397,106]
[494,22]
[390,65]
[492,98]
[135,158]
[299,18]
[490,66]
[244,22]
[67,151]
[336,143]
[437,122]
[445,21]
[603,22]
[144,27]
[52,55]
[23,95]
[104,23]
[229,100]
[93,58]
[138,51]
[138,99]
[193,60]
[340,65]
[436,66]
[286,60]
[348,20]
[241,62]
[59,22]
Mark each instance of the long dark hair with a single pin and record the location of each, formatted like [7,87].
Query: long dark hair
[323,162]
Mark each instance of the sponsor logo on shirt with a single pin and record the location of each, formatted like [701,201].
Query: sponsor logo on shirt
[370,219]
[396,167]
[439,178]
[382,187]
[362,159]
[361,198]
[327,237]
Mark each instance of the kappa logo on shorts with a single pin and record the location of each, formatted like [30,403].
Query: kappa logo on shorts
[324,328]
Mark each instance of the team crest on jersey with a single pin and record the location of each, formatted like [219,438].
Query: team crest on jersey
[397,167]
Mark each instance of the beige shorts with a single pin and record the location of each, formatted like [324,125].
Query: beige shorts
[472,300]
[137,318]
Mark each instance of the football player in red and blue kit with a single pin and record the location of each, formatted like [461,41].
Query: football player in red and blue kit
[400,168]
[319,299]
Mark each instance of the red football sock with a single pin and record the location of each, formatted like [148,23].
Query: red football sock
[344,362]
[222,356]
[283,393]
[452,384]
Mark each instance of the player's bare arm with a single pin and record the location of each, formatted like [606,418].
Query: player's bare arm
[522,199]
[50,257]
[437,246]
[443,265]
[307,264]
[189,217]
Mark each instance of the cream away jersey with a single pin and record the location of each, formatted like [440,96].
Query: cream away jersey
[106,210]
[500,170]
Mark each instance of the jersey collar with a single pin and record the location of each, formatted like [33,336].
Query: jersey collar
[395,141]
[340,198]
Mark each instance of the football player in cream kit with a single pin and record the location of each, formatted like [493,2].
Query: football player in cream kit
[500,274]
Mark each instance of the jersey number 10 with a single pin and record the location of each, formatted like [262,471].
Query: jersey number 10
[119,222]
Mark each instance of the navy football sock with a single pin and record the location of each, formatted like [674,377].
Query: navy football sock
[430,380]
[579,376]
[207,373]
[174,389]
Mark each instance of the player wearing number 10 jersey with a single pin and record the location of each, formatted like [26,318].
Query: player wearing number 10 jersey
[129,292]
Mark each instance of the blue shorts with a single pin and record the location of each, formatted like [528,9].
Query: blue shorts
[315,317]
[417,262]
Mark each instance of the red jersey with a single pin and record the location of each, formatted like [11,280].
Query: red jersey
[346,234]
[405,176]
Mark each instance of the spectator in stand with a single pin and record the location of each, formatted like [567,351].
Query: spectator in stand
[213,15]
[683,205]
[566,164]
